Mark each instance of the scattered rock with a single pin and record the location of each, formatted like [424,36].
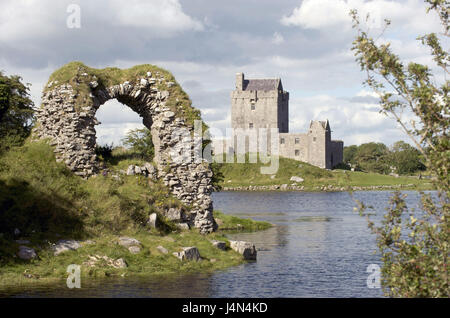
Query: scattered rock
[134,249]
[108,261]
[16,231]
[130,170]
[65,245]
[246,249]
[153,221]
[162,249]
[182,226]
[283,187]
[296,179]
[93,84]
[120,263]
[272,176]
[88,242]
[188,253]
[151,170]
[144,82]
[219,244]
[26,253]
[128,241]
[174,214]
[169,114]
[26,274]
[213,260]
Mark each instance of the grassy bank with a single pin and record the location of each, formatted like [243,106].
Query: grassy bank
[233,223]
[249,174]
[46,202]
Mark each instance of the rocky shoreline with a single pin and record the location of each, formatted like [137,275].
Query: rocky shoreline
[324,188]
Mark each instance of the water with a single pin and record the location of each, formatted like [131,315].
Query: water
[319,247]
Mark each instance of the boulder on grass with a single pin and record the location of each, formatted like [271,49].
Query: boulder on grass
[65,245]
[219,244]
[26,253]
[162,249]
[153,221]
[188,254]
[128,241]
[296,179]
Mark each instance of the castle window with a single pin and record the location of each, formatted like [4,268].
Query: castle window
[282,141]
[250,125]
[297,152]
[252,107]
[314,138]
[297,140]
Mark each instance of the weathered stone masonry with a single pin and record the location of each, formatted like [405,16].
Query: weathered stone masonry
[71,131]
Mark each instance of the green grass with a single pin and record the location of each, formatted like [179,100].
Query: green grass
[72,73]
[150,261]
[249,174]
[47,202]
[233,223]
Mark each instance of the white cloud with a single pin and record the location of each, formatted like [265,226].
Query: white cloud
[27,19]
[326,14]
[114,133]
[314,14]
[350,121]
[159,14]
[277,38]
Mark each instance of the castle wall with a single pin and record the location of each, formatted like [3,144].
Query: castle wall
[283,112]
[263,114]
[337,152]
[317,146]
[294,146]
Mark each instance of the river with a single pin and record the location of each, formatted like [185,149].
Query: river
[319,247]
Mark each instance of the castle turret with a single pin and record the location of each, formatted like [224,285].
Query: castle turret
[239,81]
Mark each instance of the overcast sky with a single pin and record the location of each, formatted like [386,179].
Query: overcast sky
[204,43]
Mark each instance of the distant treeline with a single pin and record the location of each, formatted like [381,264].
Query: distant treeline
[401,158]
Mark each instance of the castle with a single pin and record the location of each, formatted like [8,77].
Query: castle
[262,103]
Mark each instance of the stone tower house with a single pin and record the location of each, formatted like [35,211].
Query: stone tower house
[262,103]
[259,103]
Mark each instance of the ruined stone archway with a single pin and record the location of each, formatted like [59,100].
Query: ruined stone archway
[67,117]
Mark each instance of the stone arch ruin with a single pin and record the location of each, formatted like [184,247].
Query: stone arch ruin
[66,117]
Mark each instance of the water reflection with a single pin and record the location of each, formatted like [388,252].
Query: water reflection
[318,247]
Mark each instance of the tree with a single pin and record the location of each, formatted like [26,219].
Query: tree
[405,158]
[16,111]
[414,245]
[372,157]
[140,141]
[349,154]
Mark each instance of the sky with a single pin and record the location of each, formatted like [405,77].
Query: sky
[204,43]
